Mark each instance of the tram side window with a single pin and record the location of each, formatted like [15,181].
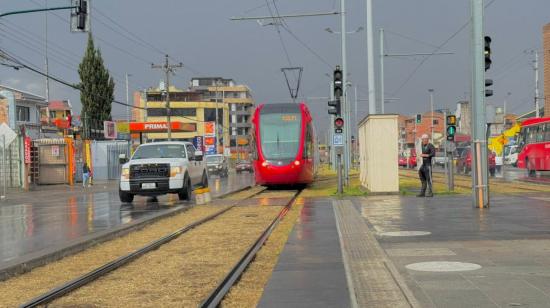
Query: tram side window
[531,134]
[308,143]
[547,133]
[540,133]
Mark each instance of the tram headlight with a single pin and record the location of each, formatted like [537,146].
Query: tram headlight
[297,162]
[264,164]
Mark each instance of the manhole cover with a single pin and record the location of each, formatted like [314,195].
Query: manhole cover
[443,266]
[405,233]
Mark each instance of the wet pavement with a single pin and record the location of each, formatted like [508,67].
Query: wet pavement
[511,174]
[41,220]
[398,251]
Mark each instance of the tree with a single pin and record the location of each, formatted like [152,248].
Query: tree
[96,86]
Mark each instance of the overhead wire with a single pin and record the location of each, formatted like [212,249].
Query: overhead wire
[411,75]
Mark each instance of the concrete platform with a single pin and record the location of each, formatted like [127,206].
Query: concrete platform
[42,222]
[497,257]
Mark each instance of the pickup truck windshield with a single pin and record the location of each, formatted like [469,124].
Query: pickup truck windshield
[214,159]
[160,151]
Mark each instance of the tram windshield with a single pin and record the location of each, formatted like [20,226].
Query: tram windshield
[280,135]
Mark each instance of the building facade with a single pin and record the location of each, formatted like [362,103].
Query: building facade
[23,110]
[207,100]
[414,130]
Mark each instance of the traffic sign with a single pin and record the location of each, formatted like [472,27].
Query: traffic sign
[338,140]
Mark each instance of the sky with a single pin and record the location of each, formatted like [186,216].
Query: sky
[201,35]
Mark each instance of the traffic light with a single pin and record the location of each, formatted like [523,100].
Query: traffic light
[418,118]
[338,83]
[488,53]
[338,125]
[81,14]
[451,127]
[334,107]
[488,83]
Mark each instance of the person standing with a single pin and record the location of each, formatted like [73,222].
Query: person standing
[425,171]
[85,174]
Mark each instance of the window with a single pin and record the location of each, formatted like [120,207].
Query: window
[280,135]
[159,151]
[23,113]
[175,112]
[540,132]
[190,151]
[210,115]
[547,133]
[436,122]
[531,134]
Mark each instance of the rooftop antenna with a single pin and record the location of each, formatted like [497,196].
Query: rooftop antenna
[293,91]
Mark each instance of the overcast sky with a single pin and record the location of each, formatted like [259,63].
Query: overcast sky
[200,34]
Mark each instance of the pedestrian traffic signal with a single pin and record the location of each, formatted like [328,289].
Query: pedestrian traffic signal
[338,83]
[418,118]
[334,107]
[488,83]
[338,125]
[488,53]
[451,127]
[81,14]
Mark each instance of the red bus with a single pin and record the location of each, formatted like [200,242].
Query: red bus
[534,145]
[283,145]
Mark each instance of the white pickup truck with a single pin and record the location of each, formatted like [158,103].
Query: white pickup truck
[160,168]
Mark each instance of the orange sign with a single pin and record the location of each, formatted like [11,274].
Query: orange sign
[209,141]
[210,128]
[160,127]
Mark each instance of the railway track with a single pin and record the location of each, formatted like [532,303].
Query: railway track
[466,182]
[216,295]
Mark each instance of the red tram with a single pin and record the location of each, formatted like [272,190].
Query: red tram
[283,141]
[534,145]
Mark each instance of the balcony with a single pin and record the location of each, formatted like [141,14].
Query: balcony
[238,125]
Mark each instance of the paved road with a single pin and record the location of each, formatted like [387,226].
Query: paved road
[35,221]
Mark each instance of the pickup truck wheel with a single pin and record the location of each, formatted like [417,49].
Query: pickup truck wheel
[186,190]
[204,181]
[125,197]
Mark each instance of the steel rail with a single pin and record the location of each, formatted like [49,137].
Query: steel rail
[85,279]
[217,295]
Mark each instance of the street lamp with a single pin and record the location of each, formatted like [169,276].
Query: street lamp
[432,112]
[329,30]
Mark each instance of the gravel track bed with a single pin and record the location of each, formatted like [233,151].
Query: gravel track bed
[22,288]
[182,272]
[249,289]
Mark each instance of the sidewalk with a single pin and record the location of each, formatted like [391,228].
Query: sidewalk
[422,252]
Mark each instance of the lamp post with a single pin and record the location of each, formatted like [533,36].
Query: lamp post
[432,112]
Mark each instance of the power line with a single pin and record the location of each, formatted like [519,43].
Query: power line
[33,68]
[410,76]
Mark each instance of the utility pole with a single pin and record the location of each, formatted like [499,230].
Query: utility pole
[432,112]
[382,70]
[127,100]
[370,60]
[347,141]
[46,60]
[536,67]
[480,189]
[168,68]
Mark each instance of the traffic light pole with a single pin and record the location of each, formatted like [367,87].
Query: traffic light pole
[480,189]
[347,136]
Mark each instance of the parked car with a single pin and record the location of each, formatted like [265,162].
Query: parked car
[402,161]
[217,164]
[511,155]
[412,159]
[440,158]
[160,168]
[498,162]
[464,162]
[243,165]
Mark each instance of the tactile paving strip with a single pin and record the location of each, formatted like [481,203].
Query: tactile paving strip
[375,282]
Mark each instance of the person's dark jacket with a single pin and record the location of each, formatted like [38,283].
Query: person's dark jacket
[428,149]
[85,169]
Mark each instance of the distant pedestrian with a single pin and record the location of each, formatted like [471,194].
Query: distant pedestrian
[425,172]
[85,175]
